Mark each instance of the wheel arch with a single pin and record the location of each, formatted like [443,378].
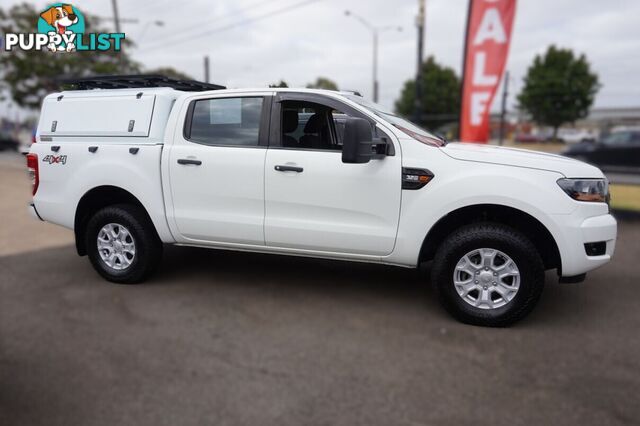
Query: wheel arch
[96,199]
[522,221]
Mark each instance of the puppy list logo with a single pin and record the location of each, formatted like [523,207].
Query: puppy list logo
[61,28]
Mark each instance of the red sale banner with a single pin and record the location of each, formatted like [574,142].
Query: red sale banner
[486,47]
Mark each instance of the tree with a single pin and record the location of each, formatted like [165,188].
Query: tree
[558,88]
[440,100]
[323,83]
[282,83]
[30,75]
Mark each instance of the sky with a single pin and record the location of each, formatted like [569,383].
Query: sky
[257,42]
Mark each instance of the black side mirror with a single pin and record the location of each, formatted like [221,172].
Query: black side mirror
[357,142]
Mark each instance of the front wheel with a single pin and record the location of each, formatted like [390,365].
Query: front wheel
[122,244]
[488,274]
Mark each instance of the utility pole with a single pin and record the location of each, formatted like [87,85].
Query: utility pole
[375,65]
[418,94]
[503,112]
[116,19]
[206,69]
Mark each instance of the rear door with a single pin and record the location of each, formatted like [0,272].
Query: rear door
[313,200]
[216,170]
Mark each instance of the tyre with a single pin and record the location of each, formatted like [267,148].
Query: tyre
[488,274]
[122,244]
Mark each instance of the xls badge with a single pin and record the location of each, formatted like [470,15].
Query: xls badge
[55,159]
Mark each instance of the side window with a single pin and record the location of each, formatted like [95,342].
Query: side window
[618,139]
[310,125]
[307,125]
[338,122]
[226,121]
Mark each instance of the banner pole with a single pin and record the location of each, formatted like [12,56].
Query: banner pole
[464,69]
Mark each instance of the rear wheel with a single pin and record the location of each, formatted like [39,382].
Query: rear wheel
[488,274]
[122,244]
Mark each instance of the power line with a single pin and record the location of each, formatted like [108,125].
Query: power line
[193,26]
[146,5]
[235,24]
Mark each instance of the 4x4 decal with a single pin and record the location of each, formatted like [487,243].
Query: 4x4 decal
[55,159]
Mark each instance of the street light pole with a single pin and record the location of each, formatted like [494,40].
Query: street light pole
[146,27]
[374,32]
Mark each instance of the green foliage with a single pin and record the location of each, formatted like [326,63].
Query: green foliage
[440,100]
[282,83]
[558,88]
[29,76]
[323,83]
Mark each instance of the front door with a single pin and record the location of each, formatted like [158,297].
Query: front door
[216,171]
[315,202]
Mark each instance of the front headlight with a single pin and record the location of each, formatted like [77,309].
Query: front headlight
[592,190]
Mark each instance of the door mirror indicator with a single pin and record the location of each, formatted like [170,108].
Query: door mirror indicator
[357,142]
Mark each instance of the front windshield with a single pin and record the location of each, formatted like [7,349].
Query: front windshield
[406,126]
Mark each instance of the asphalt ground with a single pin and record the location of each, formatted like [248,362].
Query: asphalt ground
[245,339]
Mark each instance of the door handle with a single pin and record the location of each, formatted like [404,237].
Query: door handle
[289,169]
[185,161]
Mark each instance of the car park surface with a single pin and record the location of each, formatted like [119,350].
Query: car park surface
[238,338]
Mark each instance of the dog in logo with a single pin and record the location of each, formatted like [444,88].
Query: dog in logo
[60,17]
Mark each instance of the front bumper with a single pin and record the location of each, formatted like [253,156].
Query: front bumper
[575,232]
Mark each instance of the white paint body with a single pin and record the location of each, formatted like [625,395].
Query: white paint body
[237,200]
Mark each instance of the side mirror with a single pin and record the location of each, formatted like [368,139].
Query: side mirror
[357,142]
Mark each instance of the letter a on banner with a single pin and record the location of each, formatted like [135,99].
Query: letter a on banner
[489,26]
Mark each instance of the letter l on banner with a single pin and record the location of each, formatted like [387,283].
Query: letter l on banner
[489,26]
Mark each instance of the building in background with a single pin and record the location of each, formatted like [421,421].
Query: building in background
[600,121]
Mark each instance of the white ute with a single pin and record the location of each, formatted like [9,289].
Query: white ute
[311,173]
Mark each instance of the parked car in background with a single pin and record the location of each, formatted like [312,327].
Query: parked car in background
[617,152]
[529,138]
[8,142]
[572,136]
[25,139]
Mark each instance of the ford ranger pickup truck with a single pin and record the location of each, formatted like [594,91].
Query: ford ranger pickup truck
[132,164]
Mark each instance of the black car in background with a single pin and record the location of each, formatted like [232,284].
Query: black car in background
[8,142]
[617,152]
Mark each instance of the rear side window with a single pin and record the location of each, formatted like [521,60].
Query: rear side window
[226,121]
